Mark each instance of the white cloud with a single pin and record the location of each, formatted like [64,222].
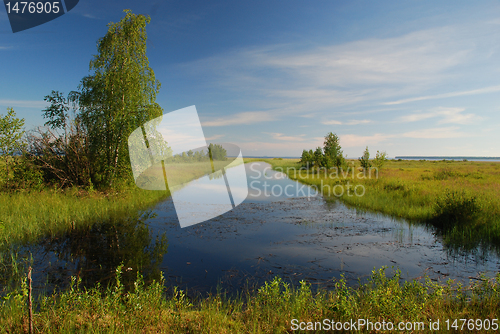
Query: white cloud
[282,146]
[414,57]
[448,115]
[298,79]
[435,133]
[352,140]
[351,122]
[484,90]
[331,122]
[90,16]
[215,137]
[280,136]
[496,21]
[416,117]
[308,115]
[362,82]
[249,117]
[361,121]
[455,116]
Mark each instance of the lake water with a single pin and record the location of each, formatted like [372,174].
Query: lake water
[294,234]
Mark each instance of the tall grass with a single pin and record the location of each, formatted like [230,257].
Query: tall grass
[25,216]
[270,308]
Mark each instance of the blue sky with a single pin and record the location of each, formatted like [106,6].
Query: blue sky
[274,77]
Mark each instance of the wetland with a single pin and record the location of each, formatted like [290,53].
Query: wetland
[295,234]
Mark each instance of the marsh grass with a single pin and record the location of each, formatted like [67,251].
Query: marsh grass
[455,208]
[26,216]
[460,198]
[269,308]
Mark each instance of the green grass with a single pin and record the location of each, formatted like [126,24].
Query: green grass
[460,198]
[268,309]
[26,216]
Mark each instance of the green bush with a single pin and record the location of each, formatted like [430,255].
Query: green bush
[455,207]
[24,175]
[27,176]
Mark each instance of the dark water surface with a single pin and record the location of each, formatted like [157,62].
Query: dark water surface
[295,237]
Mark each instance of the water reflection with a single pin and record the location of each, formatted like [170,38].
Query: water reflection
[266,185]
[93,253]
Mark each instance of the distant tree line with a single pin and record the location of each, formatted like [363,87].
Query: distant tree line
[215,151]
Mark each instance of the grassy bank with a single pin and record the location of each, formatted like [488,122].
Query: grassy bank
[268,309]
[460,198]
[28,215]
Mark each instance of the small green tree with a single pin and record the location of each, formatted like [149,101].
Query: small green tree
[311,157]
[380,159]
[57,112]
[11,137]
[365,160]
[318,158]
[306,159]
[333,151]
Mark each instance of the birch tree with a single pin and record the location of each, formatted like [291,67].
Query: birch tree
[118,97]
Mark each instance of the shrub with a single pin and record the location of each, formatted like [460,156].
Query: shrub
[27,176]
[24,175]
[365,160]
[455,207]
[380,159]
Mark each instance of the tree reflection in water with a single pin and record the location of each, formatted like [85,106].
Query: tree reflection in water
[94,252]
